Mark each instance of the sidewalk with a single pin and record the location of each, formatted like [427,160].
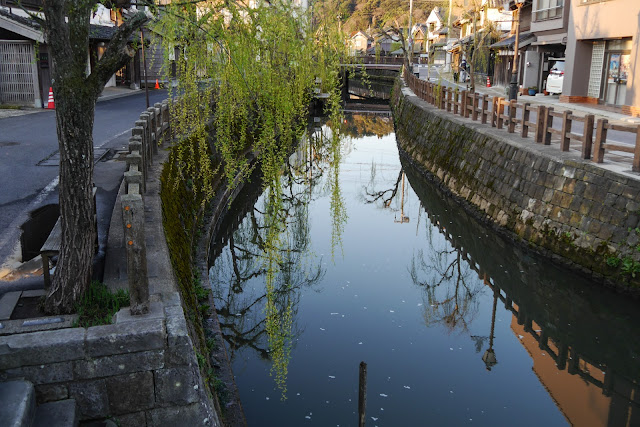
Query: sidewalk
[107,94]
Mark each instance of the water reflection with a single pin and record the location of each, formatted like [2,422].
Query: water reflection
[449,316]
[577,335]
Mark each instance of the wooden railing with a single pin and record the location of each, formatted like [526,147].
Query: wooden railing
[507,115]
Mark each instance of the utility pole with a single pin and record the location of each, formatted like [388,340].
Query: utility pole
[410,34]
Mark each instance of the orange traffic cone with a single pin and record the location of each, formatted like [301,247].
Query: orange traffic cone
[51,105]
[157,85]
[488,82]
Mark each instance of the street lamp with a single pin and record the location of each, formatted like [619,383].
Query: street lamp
[513,86]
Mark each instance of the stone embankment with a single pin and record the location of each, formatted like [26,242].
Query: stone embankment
[555,201]
[142,369]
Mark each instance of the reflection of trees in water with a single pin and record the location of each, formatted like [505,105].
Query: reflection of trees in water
[272,247]
[360,125]
[450,284]
[383,196]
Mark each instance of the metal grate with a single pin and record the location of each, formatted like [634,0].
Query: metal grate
[16,72]
[595,73]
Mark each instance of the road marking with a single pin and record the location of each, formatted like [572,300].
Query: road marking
[113,138]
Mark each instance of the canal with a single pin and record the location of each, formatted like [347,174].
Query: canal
[375,263]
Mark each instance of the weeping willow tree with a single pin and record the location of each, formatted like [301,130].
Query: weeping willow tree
[245,74]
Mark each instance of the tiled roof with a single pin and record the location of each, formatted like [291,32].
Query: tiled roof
[96,32]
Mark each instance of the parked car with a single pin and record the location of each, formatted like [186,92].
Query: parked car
[555,78]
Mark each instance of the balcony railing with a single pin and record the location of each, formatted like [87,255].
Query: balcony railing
[553,12]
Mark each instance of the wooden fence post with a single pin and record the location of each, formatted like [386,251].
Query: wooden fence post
[474,112]
[463,103]
[362,394]
[468,96]
[636,152]
[134,237]
[540,117]
[565,141]
[448,99]
[494,109]
[500,112]
[525,119]
[456,101]
[601,139]
[442,97]
[512,116]
[587,136]
[548,124]
[485,97]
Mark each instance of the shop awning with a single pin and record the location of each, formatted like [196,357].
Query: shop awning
[526,38]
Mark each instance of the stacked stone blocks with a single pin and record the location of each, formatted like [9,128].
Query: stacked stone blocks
[140,370]
[552,200]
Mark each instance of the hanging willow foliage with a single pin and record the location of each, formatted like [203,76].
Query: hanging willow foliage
[243,75]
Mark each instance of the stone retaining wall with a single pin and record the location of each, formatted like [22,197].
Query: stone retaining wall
[140,370]
[580,213]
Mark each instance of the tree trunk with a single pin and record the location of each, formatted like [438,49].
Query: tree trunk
[74,119]
[66,27]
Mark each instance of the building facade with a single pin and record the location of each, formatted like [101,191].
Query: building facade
[602,54]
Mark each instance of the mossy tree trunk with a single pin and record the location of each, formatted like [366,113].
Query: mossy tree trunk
[66,27]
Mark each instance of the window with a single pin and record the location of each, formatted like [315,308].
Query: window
[548,9]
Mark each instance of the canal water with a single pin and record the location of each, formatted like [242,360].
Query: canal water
[457,326]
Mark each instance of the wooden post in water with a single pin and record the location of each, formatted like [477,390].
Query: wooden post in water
[362,394]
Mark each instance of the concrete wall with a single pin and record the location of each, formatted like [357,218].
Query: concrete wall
[566,207]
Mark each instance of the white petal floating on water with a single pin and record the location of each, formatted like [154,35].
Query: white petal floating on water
[331,376]
[383,395]
[348,281]
[419,304]
[407,387]
[343,315]
[360,343]
[403,301]
[520,336]
[297,394]
[307,417]
[391,311]
[451,391]
[322,329]
[451,348]
[374,418]
[267,398]
[333,314]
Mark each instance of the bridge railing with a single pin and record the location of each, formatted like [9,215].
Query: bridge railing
[510,115]
[373,59]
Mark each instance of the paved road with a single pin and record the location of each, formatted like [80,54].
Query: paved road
[28,167]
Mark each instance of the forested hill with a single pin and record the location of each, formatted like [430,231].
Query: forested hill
[363,14]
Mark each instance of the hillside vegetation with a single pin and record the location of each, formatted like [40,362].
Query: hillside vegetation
[363,14]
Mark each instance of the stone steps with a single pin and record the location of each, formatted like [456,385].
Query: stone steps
[18,408]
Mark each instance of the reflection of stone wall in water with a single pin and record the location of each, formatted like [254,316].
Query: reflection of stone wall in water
[584,330]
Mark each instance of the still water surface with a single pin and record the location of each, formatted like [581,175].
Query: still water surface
[456,325]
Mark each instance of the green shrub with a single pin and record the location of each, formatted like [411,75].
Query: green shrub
[98,305]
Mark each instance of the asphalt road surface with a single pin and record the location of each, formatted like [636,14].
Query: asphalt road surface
[29,167]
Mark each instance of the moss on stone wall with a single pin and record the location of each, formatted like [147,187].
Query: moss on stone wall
[182,218]
[569,209]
